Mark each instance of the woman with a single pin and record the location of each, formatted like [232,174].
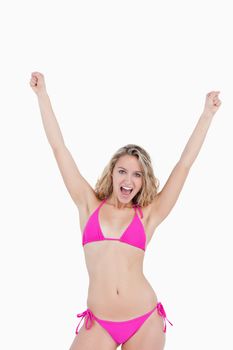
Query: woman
[117,222]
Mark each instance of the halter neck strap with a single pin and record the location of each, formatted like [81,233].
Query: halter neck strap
[137,206]
[102,202]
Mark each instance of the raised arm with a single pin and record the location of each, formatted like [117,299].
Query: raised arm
[79,189]
[167,197]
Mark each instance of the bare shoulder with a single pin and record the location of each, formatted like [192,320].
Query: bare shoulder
[151,218]
[89,204]
[87,207]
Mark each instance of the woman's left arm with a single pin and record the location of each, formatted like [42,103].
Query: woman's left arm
[167,197]
[197,138]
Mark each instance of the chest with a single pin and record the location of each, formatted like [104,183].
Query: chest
[113,223]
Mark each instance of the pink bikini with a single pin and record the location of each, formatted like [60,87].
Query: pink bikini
[134,235]
[92,231]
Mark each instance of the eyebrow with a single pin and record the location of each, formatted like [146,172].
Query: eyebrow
[137,171]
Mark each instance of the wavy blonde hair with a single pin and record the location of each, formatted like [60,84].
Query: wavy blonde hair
[150,183]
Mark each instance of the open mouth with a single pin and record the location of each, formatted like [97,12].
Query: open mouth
[125,190]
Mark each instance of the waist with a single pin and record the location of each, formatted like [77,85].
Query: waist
[121,300]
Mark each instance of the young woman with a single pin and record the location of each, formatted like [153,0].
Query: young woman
[117,221]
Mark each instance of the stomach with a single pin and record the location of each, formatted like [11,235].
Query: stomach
[118,289]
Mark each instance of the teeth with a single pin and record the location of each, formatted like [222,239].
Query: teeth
[127,188]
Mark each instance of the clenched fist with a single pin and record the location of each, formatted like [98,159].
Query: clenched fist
[37,83]
[212,102]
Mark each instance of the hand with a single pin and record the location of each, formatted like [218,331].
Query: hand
[212,102]
[37,83]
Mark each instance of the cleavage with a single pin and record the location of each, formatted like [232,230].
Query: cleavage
[107,231]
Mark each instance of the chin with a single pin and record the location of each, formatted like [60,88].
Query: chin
[124,199]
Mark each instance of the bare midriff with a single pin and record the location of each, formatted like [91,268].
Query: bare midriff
[118,289]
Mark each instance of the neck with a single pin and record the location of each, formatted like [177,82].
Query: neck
[113,200]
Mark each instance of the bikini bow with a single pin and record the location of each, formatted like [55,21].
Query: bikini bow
[88,318]
[162,313]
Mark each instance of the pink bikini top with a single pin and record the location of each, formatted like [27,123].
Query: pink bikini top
[134,234]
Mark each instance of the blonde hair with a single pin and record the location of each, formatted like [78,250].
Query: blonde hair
[150,183]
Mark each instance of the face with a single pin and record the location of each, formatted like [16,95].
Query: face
[127,173]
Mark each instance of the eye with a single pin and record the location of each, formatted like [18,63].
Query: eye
[120,171]
[138,175]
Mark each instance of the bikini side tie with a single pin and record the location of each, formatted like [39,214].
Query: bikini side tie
[88,317]
[162,313]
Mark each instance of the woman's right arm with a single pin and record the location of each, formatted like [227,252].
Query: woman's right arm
[79,189]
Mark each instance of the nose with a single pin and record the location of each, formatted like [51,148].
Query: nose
[128,181]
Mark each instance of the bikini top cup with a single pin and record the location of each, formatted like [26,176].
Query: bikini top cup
[134,234]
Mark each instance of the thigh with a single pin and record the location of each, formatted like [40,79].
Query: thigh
[150,335]
[94,338]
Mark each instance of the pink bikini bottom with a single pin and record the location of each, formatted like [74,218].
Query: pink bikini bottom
[121,331]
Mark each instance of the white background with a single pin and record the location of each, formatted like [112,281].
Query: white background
[117,72]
